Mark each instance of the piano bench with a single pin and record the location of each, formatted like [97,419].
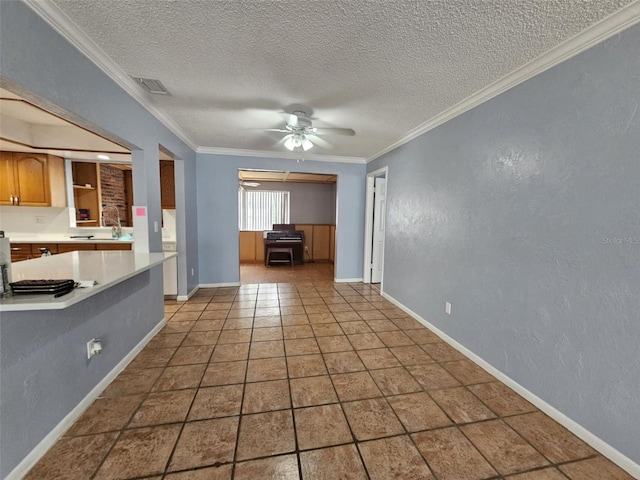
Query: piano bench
[288,251]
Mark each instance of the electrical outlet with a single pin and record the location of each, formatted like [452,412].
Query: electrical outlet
[447,308]
[192,272]
[155,227]
[306,248]
[39,219]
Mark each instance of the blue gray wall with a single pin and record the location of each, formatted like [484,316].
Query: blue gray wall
[218,213]
[50,72]
[309,202]
[524,213]
[34,399]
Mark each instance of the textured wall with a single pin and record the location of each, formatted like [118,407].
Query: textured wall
[217,187]
[45,372]
[524,213]
[309,202]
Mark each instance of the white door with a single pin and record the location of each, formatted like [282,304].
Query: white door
[377,251]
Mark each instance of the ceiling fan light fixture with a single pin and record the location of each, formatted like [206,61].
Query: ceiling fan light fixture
[306,143]
[288,143]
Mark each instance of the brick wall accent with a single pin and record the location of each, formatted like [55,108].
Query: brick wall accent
[113,189]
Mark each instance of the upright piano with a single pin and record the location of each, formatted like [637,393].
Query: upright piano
[286,239]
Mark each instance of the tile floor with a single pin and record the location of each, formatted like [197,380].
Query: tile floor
[314,380]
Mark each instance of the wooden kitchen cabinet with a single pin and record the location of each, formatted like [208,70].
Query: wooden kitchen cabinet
[86,193]
[20,252]
[167,185]
[28,179]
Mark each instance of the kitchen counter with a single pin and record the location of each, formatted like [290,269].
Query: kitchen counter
[53,238]
[107,268]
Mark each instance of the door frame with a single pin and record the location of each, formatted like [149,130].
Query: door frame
[368,224]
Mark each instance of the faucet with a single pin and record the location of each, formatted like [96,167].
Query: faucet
[118,225]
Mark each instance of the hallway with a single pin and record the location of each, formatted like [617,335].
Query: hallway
[315,380]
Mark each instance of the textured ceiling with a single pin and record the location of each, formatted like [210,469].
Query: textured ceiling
[380,67]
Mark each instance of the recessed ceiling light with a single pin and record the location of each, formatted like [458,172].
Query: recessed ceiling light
[103,157]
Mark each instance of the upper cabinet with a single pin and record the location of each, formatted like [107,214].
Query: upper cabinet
[167,185]
[31,179]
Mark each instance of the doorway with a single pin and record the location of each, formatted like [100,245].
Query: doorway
[375,224]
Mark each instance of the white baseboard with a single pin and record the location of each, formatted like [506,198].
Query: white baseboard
[214,285]
[597,443]
[184,298]
[47,442]
[347,280]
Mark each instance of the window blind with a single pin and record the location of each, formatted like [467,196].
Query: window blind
[259,210]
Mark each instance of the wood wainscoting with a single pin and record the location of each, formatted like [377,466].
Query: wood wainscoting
[319,238]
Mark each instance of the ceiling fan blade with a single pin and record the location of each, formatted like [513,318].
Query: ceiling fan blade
[321,142]
[280,130]
[335,131]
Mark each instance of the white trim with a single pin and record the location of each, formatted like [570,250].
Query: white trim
[368,222]
[605,28]
[62,24]
[47,442]
[347,280]
[214,285]
[597,443]
[184,298]
[286,155]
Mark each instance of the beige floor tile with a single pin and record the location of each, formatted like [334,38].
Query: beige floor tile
[283,467]
[166,340]
[215,402]
[321,426]
[327,329]
[163,407]
[224,373]
[242,313]
[266,334]
[355,386]
[267,349]
[266,434]
[182,316]
[418,411]
[204,325]
[234,336]
[341,308]
[223,472]
[372,418]
[306,366]
[182,376]
[353,327]
[598,468]
[73,458]
[544,474]
[467,372]
[550,438]
[495,438]
[422,335]
[394,338]
[317,309]
[378,358]
[372,315]
[297,331]
[230,352]
[311,391]
[106,414]
[263,322]
[297,319]
[343,362]
[411,355]
[266,369]
[201,338]
[191,355]
[432,376]
[320,318]
[205,442]
[213,315]
[452,456]
[130,382]
[266,396]
[381,325]
[363,341]
[332,463]
[501,399]
[178,326]
[150,358]
[301,346]
[238,323]
[394,458]
[461,405]
[394,381]
[140,452]
[441,352]
[338,343]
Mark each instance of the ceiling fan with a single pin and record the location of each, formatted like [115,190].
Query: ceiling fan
[301,134]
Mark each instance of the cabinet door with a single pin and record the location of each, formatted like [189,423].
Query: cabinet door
[32,179]
[7,183]
[20,252]
[321,242]
[167,185]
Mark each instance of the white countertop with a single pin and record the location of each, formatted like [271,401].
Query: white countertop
[108,268]
[56,238]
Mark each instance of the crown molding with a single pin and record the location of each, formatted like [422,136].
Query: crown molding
[598,32]
[62,24]
[235,152]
